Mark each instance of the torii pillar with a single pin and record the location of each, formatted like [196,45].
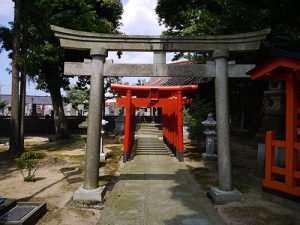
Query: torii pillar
[225,192]
[90,189]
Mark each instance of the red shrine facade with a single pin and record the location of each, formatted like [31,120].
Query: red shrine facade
[283,179]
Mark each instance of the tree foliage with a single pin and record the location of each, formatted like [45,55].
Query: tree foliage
[76,96]
[44,55]
[211,17]
[216,17]
[47,56]
[195,114]
[3,104]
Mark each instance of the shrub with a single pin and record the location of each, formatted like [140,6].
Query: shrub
[197,113]
[28,162]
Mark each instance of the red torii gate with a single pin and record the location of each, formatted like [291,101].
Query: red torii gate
[283,69]
[169,98]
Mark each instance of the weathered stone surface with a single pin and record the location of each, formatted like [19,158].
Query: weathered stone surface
[222,117]
[149,70]
[24,213]
[76,68]
[83,194]
[86,40]
[218,195]
[259,169]
[7,205]
[92,153]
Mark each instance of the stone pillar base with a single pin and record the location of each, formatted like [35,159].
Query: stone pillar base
[89,195]
[125,157]
[103,157]
[217,195]
[209,157]
[180,157]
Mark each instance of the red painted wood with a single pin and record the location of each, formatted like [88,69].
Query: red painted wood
[179,122]
[127,122]
[169,98]
[291,129]
[269,155]
[283,69]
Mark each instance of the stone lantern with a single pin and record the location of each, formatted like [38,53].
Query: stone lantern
[102,153]
[83,125]
[210,133]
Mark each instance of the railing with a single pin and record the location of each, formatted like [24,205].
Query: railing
[289,184]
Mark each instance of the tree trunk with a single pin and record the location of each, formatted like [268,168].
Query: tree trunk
[24,47]
[14,147]
[60,121]
[22,108]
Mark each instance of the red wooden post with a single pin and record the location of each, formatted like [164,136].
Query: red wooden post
[269,156]
[163,120]
[127,126]
[174,125]
[291,129]
[180,126]
[169,124]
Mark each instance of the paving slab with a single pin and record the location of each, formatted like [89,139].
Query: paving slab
[154,188]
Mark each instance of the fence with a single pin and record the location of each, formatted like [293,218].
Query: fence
[44,125]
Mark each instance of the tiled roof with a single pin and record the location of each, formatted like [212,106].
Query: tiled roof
[173,81]
[39,100]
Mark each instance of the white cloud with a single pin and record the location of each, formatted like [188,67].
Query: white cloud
[6,9]
[136,57]
[132,57]
[139,18]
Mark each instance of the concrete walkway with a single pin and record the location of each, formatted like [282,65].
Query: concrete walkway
[156,189]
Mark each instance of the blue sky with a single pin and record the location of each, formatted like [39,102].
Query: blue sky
[138,18]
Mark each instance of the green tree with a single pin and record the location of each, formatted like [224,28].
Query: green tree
[214,17]
[97,16]
[108,92]
[205,17]
[23,62]
[76,96]
[195,114]
[14,144]
[44,53]
[3,104]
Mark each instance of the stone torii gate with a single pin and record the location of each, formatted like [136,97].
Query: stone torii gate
[99,44]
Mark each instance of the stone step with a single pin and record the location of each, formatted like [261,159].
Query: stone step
[149,124]
[150,130]
[151,150]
